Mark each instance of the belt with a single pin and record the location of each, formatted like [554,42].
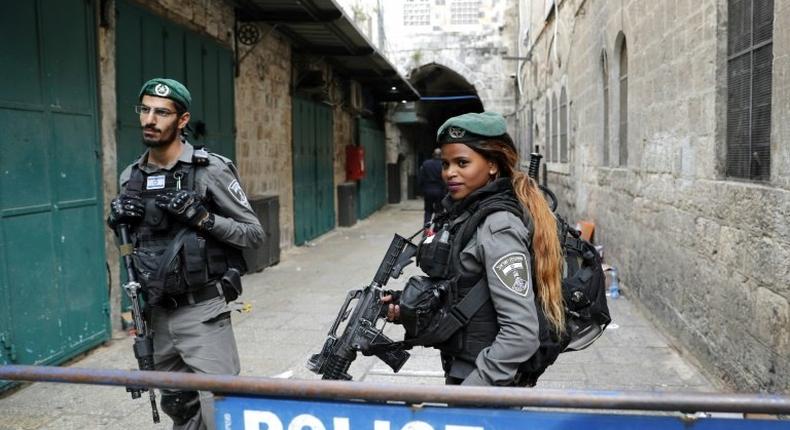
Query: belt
[176,301]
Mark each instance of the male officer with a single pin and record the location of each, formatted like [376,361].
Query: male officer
[189,218]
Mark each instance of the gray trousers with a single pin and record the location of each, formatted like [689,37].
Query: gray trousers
[196,338]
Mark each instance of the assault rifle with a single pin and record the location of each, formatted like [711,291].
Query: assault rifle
[360,333]
[143,339]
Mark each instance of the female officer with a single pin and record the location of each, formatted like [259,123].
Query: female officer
[518,258]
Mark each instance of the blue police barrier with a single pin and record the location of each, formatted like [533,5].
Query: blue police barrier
[260,413]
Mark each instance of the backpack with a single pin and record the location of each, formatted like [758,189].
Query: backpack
[586,310]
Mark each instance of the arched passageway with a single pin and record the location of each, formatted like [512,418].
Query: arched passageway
[444,93]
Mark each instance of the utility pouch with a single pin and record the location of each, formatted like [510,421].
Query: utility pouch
[423,304]
[146,264]
[194,255]
[231,285]
[217,259]
[433,255]
[155,218]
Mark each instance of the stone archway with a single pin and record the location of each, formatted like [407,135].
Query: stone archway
[483,90]
[444,93]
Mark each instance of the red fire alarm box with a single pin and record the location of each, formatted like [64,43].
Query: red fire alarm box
[355,163]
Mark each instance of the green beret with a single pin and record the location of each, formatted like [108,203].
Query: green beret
[169,89]
[472,128]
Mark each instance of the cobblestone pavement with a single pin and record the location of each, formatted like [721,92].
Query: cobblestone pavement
[293,306]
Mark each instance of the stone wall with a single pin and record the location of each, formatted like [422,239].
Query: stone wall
[707,256]
[264,125]
[108,112]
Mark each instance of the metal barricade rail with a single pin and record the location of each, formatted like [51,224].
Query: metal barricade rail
[248,402]
[411,394]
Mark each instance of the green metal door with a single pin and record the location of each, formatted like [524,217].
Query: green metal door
[53,281]
[148,46]
[314,202]
[372,189]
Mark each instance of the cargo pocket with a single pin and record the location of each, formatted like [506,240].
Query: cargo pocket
[194,254]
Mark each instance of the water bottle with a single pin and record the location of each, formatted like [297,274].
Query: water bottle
[614,287]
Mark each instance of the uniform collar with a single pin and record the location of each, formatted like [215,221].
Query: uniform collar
[459,210]
[185,157]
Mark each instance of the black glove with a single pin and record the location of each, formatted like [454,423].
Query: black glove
[125,209]
[185,206]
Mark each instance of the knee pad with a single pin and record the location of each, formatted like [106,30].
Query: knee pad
[180,406]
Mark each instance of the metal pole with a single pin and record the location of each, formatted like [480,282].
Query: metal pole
[411,394]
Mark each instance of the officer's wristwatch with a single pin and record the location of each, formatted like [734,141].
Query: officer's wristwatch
[208,223]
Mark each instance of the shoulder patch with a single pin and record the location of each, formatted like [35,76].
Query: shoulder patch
[235,190]
[514,272]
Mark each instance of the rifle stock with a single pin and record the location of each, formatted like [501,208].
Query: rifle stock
[143,339]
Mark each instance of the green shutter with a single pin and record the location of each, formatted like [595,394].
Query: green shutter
[53,287]
[314,208]
[372,188]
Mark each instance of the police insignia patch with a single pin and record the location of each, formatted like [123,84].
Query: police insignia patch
[162,90]
[456,132]
[238,193]
[514,272]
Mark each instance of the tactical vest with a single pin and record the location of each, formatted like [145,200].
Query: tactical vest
[171,258]
[482,328]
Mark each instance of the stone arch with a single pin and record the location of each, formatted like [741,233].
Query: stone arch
[483,92]
[445,92]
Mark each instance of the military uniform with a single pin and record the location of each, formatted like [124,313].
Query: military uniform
[182,254]
[504,332]
[198,337]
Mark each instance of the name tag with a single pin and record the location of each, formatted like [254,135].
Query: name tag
[155,182]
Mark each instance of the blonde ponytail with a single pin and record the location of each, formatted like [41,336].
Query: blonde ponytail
[545,248]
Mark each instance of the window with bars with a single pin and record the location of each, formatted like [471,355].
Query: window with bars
[529,145]
[623,131]
[547,133]
[553,154]
[749,69]
[464,12]
[563,127]
[605,113]
[416,13]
